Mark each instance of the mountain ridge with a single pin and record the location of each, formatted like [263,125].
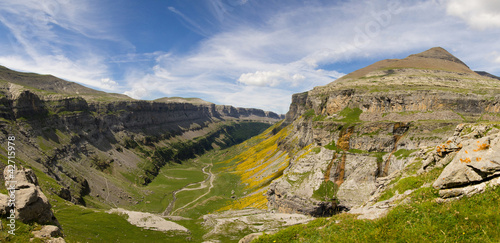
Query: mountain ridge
[362,144]
[435,58]
[357,123]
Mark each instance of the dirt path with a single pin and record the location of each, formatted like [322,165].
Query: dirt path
[168,210]
[211,177]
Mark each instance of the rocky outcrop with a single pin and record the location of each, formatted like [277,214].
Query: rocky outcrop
[364,126]
[232,223]
[48,231]
[475,166]
[30,203]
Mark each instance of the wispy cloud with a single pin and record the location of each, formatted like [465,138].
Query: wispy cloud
[55,36]
[298,48]
[479,14]
[189,23]
[253,53]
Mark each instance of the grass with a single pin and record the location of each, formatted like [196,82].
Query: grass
[309,113]
[474,219]
[402,186]
[411,182]
[404,153]
[350,115]
[316,150]
[326,191]
[171,178]
[82,224]
[332,146]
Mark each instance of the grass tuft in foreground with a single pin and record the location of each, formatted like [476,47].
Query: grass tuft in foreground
[474,219]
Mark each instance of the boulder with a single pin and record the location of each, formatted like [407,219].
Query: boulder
[30,202]
[4,204]
[476,162]
[48,231]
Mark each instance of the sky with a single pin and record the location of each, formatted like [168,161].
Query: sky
[245,53]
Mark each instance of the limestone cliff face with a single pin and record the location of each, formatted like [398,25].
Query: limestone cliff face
[81,137]
[349,135]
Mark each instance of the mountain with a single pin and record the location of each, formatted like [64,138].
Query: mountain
[73,133]
[408,134]
[341,141]
[360,125]
[396,142]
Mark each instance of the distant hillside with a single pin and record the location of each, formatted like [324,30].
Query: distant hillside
[71,133]
[486,74]
[183,100]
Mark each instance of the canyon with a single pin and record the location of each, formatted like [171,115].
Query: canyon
[350,147]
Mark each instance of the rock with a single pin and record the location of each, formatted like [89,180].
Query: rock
[48,231]
[360,183]
[478,161]
[56,240]
[249,238]
[30,202]
[454,193]
[231,223]
[4,204]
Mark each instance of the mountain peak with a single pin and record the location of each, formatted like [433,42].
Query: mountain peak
[437,53]
[435,58]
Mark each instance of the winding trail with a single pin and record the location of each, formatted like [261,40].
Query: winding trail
[211,177]
[168,210]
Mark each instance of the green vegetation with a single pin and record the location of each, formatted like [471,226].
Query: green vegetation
[82,224]
[403,153]
[411,182]
[414,167]
[350,115]
[100,163]
[319,118]
[316,150]
[23,232]
[473,219]
[308,114]
[326,191]
[332,146]
[176,152]
[444,129]
[357,151]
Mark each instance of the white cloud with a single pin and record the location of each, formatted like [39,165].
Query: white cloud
[107,82]
[56,37]
[270,78]
[479,14]
[255,53]
[288,53]
[311,41]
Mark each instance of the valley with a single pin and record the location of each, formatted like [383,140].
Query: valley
[402,149]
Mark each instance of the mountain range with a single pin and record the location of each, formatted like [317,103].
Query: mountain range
[424,129]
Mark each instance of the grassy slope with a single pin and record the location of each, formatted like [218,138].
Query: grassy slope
[474,219]
[82,224]
[95,225]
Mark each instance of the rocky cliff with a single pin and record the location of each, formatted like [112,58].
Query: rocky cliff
[349,137]
[97,144]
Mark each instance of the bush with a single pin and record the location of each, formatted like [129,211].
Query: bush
[99,163]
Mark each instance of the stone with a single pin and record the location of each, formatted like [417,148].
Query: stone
[478,161]
[360,183]
[56,240]
[454,193]
[249,238]
[4,204]
[48,231]
[30,202]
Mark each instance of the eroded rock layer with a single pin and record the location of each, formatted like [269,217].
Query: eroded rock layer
[350,134]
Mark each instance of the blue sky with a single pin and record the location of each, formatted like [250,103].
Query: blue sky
[246,53]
